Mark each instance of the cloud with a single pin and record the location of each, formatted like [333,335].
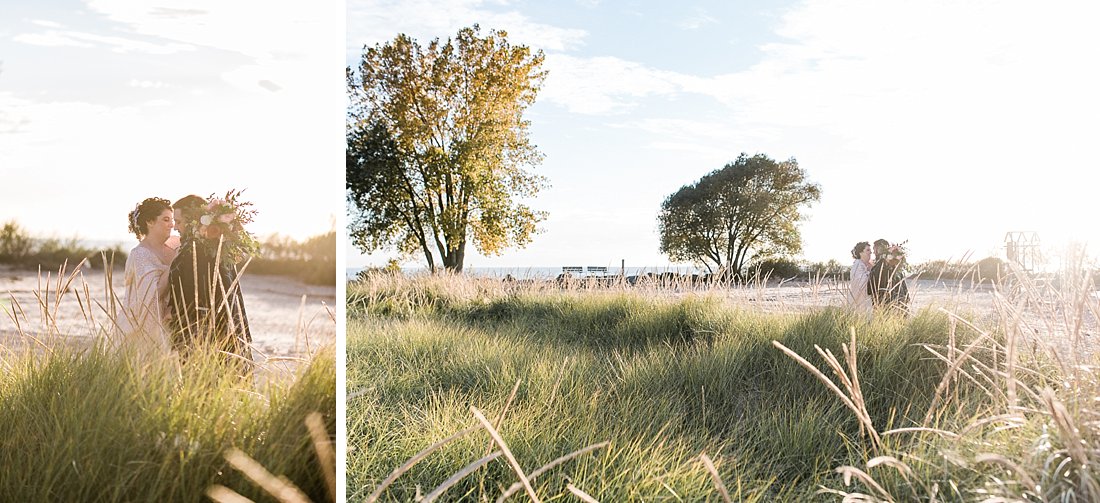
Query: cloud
[253,28]
[13,124]
[871,70]
[713,141]
[47,23]
[147,84]
[697,20]
[69,38]
[170,12]
[269,85]
[51,39]
[604,85]
[372,22]
[287,44]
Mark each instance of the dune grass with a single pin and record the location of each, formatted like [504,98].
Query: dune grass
[90,426]
[84,422]
[935,409]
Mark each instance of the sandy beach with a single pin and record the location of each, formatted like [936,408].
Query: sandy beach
[288,318]
[1042,319]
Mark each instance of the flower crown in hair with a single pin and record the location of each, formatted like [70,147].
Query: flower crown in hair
[221,221]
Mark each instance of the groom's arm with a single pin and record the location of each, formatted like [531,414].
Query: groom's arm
[179,303]
[185,279]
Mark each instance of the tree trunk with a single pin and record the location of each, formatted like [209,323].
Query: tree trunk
[460,255]
[452,261]
[430,259]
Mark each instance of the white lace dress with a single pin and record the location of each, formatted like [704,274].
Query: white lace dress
[142,317]
[858,298]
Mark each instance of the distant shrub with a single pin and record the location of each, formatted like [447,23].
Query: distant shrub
[991,269]
[392,268]
[19,248]
[830,269]
[15,243]
[312,261]
[777,268]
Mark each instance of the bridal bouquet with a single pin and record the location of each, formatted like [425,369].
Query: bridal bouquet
[895,254]
[222,222]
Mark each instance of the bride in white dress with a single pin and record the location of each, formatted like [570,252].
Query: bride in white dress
[141,321]
[858,298]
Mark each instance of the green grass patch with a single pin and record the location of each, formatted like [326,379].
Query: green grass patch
[91,425]
[663,379]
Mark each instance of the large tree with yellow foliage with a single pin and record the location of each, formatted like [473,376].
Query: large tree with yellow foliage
[438,151]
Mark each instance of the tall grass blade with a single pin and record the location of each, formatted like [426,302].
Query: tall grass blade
[585,497]
[326,454]
[459,475]
[414,460]
[515,487]
[278,487]
[717,479]
[507,453]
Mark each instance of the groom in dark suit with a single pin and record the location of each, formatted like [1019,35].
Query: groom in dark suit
[886,285]
[205,305]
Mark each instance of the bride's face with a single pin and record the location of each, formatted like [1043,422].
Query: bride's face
[161,227]
[865,254]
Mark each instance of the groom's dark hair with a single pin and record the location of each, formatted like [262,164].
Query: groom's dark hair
[881,244]
[189,206]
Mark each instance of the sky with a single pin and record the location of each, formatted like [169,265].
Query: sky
[945,124]
[104,103]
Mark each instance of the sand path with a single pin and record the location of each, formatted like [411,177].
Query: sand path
[287,317]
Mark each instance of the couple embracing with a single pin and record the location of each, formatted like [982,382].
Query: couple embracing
[182,293]
[878,283]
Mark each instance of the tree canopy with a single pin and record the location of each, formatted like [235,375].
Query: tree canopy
[437,148]
[748,210]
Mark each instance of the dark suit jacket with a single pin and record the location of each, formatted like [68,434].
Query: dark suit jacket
[886,286]
[204,305]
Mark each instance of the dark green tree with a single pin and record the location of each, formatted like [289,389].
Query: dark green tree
[748,210]
[437,148]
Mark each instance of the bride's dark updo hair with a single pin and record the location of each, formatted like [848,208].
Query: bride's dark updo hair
[145,212]
[860,246]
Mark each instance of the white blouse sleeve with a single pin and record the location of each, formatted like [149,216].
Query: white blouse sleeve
[860,275]
[150,284]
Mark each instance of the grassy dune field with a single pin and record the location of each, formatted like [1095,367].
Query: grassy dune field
[463,389]
[82,422]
